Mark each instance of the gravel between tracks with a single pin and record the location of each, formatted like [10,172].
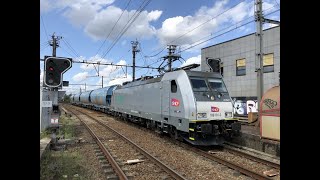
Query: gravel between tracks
[189,164]
[246,163]
[122,151]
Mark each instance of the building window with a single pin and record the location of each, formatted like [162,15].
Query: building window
[241,67]
[268,63]
[173,86]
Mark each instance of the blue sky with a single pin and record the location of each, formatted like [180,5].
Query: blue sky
[86,24]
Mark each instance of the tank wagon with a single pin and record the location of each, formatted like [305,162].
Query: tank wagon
[190,105]
[85,99]
[76,99]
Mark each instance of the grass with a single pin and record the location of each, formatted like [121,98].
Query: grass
[62,165]
[67,130]
[44,134]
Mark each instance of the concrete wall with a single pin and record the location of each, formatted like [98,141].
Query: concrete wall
[245,87]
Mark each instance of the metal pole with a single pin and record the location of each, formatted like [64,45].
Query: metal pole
[40,106]
[259,48]
[54,46]
[134,50]
[133,64]
[169,59]
[102,81]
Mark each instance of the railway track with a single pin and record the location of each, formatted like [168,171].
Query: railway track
[253,158]
[230,164]
[172,173]
[116,168]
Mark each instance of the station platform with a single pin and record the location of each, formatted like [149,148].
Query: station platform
[250,138]
[44,144]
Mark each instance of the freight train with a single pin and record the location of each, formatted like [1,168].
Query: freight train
[188,105]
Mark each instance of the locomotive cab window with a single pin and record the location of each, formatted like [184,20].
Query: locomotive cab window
[217,85]
[173,86]
[199,84]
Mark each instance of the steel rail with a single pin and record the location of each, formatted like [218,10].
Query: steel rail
[227,163]
[106,153]
[253,158]
[170,171]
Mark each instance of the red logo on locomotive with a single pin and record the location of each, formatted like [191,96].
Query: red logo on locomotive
[175,102]
[214,109]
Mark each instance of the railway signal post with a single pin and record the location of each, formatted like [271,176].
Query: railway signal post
[54,68]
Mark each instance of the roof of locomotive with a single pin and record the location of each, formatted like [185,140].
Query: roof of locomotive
[204,74]
[150,79]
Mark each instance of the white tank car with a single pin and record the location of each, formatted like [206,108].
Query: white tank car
[190,105]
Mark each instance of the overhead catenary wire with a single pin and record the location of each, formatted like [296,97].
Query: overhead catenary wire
[113,26]
[215,36]
[159,59]
[126,27]
[225,32]
[123,31]
[197,27]
[207,21]
[70,47]
[221,34]
[67,51]
[44,27]
[44,43]
[108,64]
[277,3]
[44,47]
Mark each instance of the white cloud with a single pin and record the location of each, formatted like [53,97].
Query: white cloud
[80,76]
[45,5]
[49,5]
[95,58]
[98,17]
[173,28]
[111,70]
[269,25]
[119,80]
[192,60]
[103,21]
[154,15]
[108,72]
[267,6]
[75,89]
[80,15]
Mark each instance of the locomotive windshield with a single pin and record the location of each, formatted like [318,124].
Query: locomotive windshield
[217,85]
[199,84]
[209,89]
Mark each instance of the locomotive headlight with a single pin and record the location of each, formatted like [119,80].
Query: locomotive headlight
[212,98]
[228,114]
[202,115]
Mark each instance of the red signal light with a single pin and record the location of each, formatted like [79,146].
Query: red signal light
[51,68]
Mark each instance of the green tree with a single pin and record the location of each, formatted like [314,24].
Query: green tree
[67,98]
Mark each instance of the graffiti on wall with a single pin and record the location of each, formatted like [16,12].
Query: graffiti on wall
[270,103]
[242,106]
